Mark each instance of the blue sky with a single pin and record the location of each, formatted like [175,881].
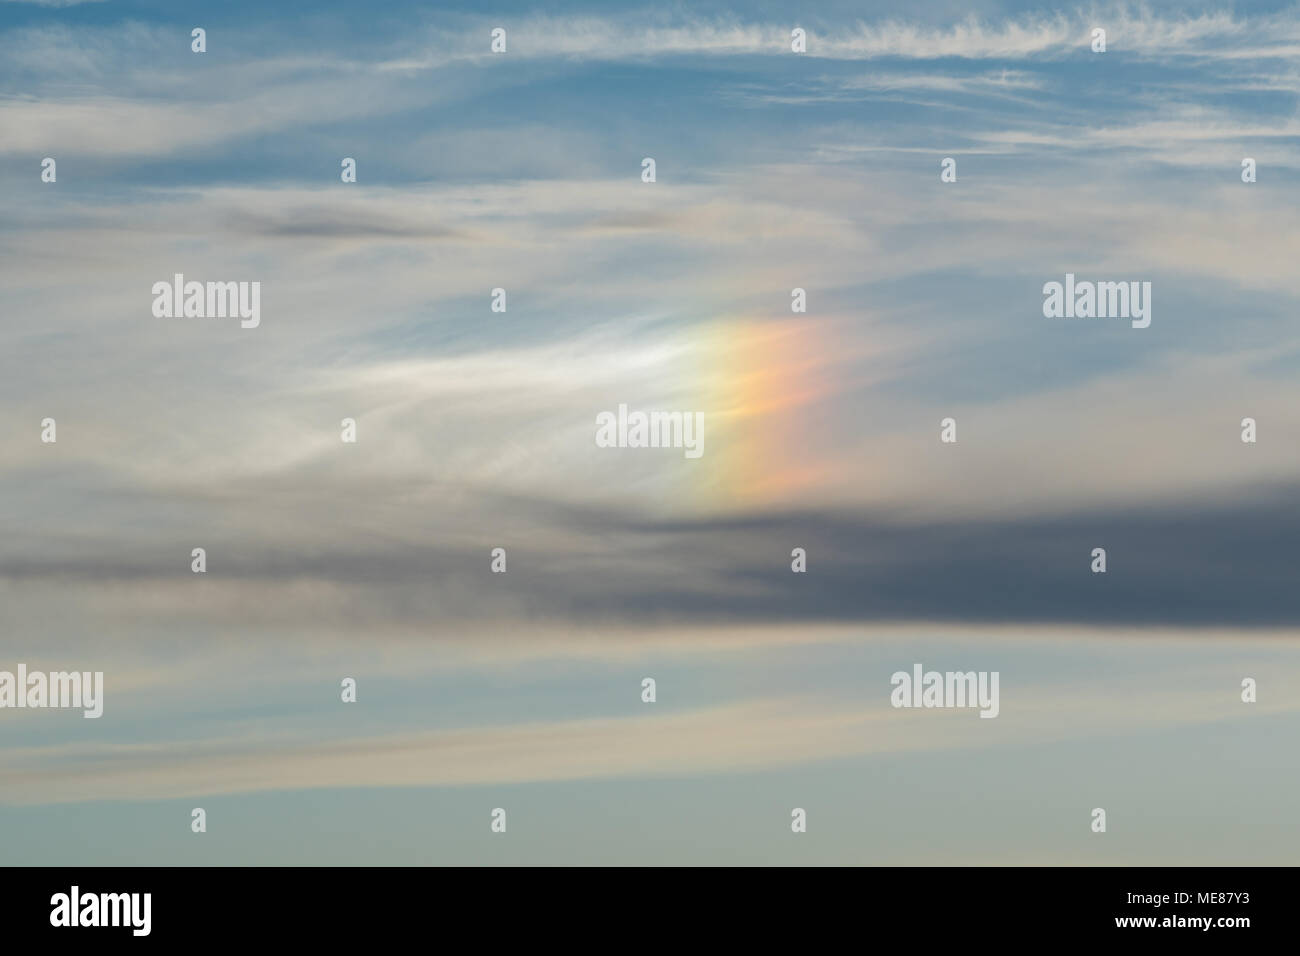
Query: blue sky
[775,170]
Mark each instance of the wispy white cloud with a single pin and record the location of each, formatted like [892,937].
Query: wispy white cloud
[53,3]
[744,735]
[1129,29]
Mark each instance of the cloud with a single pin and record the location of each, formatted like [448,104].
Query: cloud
[776,171]
[54,3]
[1057,35]
[744,735]
[129,90]
[388,560]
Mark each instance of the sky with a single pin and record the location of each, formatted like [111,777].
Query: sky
[476,430]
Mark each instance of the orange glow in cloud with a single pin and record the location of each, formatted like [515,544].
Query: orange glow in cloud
[765,379]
